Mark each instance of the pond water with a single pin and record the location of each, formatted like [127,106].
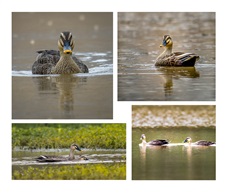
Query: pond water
[27,157]
[80,96]
[175,162]
[139,37]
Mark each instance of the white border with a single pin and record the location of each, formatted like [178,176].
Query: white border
[122,110]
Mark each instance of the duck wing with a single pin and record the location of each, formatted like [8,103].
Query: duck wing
[158,142]
[186,59]
[177,59]
[45,61]
[81,65]
[45,158]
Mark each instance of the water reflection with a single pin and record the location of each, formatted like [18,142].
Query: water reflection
[143,151]
[139,37]
[177,161]
[170,73]
[63,86]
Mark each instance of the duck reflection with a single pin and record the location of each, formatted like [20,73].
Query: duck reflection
[170,73]
[142,151]
[63,86]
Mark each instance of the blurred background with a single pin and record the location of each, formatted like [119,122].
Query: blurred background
[75,96]
[139,37]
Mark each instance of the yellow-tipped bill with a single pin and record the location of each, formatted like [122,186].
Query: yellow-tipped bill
[67,51]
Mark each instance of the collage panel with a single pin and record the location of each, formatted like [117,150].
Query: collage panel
[166,56]
[68,151]
[62,65]
[172,142]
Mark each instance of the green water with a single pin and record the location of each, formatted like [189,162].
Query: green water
[175,162]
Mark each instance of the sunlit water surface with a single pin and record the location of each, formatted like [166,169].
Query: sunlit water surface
[139,37]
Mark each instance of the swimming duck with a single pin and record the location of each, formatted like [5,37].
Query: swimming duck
[169,58]
[45,158]
[63,61]
[153,142]
[201,142]
[81,157]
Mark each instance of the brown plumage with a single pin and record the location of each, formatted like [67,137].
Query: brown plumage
[46,158]
[63,61]
[169,58]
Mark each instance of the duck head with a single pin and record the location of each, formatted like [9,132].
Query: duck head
[143,137]
[188,139]
[75,147]
[66,43]
[167,41]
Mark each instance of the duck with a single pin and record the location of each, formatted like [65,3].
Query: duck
[157,142]
[82,157]
[62,61]
[178,59]
[200,143]
[46,158]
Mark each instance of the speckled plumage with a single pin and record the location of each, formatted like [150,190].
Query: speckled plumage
[169,58]
[59,62]
[73,147]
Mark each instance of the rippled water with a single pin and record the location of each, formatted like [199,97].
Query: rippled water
[80,96]
[139,37]
[27,157]
[99,64]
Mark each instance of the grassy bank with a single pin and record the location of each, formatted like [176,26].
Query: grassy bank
[115,171]
[108,136]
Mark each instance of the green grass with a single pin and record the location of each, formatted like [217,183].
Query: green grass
[115,171]
[108,136]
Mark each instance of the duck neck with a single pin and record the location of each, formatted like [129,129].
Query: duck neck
[71,154]
[167,51]
[66,65]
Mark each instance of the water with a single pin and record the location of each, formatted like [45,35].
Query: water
[176,162]
[80,96]
[27,157]
[140,35]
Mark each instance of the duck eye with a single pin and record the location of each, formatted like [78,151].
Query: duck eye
[71,43]
[61,42]
[167,40]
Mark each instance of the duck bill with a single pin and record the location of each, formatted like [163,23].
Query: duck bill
[67,50]
[78,149]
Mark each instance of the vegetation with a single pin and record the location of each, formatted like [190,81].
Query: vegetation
[108,136]
[116,171]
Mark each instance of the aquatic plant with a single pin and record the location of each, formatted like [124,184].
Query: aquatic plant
[115,171]
[108,136]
